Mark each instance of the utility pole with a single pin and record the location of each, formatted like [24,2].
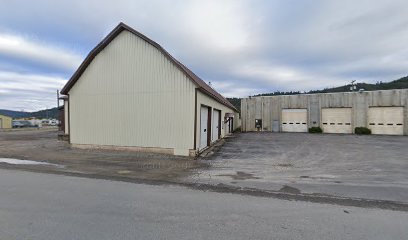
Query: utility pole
[353,86]
[58,99]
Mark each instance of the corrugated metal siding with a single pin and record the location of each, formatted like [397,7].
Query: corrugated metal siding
[203,99]
[6,122]
[132,95]
[66,110]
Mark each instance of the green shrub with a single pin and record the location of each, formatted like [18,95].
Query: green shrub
[315,130]
[237,130]
[362,130]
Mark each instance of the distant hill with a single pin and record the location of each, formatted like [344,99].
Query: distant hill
[396,84]
[47,113]
[236,102]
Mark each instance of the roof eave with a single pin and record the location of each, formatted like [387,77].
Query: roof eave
[229,105]
[118,29]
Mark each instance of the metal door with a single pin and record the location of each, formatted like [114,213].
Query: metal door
[228,128]
[203,127]
[294,120]
[336,120]
[275,126]
[386,120]
[216,125]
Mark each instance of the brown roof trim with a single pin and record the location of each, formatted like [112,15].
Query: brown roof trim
[115,32]
[63,97]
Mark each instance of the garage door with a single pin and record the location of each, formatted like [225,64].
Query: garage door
[336,120]
[216,127]
[294,120]
[203,127]
[386,120]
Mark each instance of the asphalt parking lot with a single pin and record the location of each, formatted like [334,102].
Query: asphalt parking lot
[374,167]
[283,165]
[42,145]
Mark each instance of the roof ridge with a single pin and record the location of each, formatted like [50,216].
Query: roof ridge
[113,34]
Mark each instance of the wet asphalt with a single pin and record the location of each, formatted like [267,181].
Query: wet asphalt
[344,170]
[352,166]
[45,206]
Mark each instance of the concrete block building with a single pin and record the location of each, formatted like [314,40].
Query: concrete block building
[384,112]
[130,93]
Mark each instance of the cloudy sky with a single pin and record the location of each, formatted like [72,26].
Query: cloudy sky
[241,47]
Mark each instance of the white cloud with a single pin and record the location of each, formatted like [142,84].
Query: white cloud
[28,91]
[38,53]
[220,25]
[229,89]
[285,78]
[244,47]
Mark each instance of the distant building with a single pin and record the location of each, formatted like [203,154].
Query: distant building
[49,122]
[27,122]
[5,122]
[383,112]
[130,93]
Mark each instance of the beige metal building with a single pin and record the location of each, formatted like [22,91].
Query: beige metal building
[130,93]
[384,112]
[5,122]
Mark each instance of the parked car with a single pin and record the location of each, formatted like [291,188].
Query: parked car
[22,124]
[17,124]
[53,122]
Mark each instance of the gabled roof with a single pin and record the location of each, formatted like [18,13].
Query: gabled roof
[202,86]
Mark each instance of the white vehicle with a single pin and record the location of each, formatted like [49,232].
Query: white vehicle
[53,122]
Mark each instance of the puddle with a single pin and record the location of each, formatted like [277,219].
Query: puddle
[284,165]
[240,176]
[324,176]
[289,189]
[25,162]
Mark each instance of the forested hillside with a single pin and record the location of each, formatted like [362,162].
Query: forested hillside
[47,113]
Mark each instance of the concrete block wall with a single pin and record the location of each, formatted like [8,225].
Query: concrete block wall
[269,108]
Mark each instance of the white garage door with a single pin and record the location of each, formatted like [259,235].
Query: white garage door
[215,125]
[203,127]
[336,120]
[294,120]
[386,120]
